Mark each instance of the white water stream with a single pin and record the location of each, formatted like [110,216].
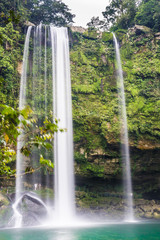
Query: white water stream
[63,144]
[129,215]
[22,103]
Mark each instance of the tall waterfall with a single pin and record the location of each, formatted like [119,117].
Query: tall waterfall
[124,136]
[46,87]
[22,103]
[20,141]
[63,145]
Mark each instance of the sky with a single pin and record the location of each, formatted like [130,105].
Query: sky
[86,9]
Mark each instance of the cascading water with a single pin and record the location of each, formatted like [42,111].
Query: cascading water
[20,141]
[45,87]
[63,145]
[129,215]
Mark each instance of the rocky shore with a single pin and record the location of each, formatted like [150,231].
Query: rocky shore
[89,205]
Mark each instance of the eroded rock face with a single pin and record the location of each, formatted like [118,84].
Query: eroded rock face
[147,145]
[138,29]
[27,23]
[78,29]
[147,209]
[113,207]
[157,36]
[19,68]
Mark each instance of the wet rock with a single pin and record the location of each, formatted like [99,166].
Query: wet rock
[156,215]
[148,215]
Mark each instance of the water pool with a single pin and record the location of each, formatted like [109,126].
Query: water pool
[131,231]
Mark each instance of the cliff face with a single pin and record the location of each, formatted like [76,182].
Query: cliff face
[95,105]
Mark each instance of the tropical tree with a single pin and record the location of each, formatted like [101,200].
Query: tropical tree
[95,23]
[12,11]
[120,13]
[49,11]
[148,14]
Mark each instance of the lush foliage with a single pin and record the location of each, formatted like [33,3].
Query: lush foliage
[123,14]
[94,90]
[148,14]
[12,124]
[95,98]
[49,11]
[12,11]
[9,120]
[36,11]
[10,54]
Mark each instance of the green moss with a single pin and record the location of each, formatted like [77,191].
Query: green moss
[107,37]
[95,98]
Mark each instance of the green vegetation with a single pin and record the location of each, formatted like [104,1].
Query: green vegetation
[13,15]
[36,11]
[11,54]
[94,87]
[120,13]
[95,98]
[12,123]
[148,14]
[123,14]
[49,11]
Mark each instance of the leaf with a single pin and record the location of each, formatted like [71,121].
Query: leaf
[46,162]
[6,138]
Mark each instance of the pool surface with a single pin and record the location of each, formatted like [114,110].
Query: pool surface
[130,231]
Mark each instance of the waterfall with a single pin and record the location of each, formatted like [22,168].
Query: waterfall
[63,146]
[129,215]
[20,141]
[22,103]
[46,87]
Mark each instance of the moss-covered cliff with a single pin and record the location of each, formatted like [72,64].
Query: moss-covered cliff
[95,104]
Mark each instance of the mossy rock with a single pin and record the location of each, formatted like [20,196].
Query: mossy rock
[156,215]
[148,215]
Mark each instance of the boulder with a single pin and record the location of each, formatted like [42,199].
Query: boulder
[156,215]
[27,23]
[78,29]
[157,36]
[138,30]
